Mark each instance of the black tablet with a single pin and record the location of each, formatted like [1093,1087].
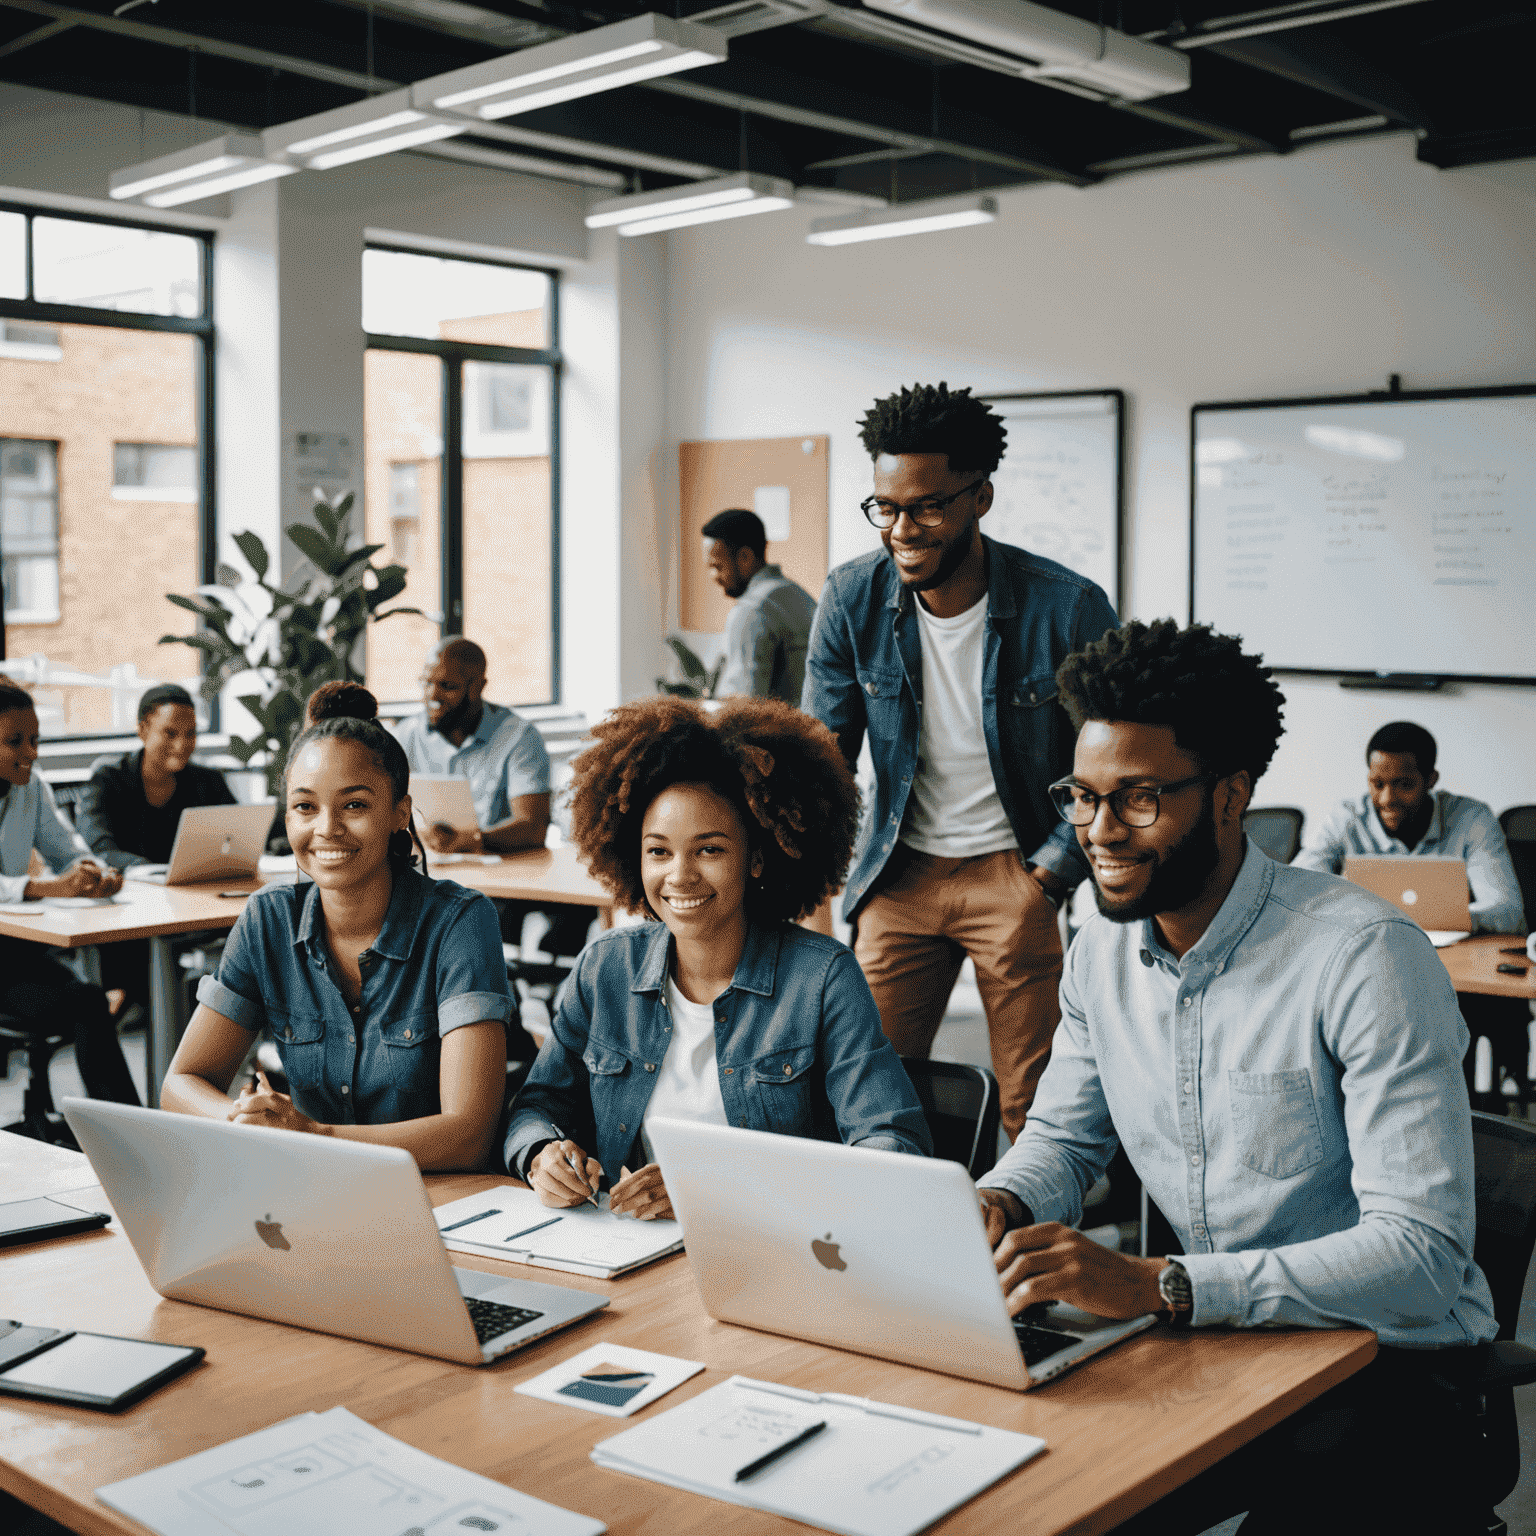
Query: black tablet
[29,1221]
[88,1370]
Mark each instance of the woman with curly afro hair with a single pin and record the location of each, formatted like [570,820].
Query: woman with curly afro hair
[722,828]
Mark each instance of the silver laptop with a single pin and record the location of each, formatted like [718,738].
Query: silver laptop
[444,799]
[1433,892]
[213,842]
[337,1236]
[871,1251]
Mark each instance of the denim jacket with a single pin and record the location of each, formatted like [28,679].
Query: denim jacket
[865,673]
[797,1045]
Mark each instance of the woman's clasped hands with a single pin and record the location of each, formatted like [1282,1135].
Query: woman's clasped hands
[264,1105]
[554,1177]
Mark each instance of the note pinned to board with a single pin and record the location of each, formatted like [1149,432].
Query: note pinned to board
[323,1473]
[771,503]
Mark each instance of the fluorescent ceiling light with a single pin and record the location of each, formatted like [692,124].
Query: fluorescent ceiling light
[724,197]
[586,62]
[236,160]
[707,215]
[379,126]
[903,219]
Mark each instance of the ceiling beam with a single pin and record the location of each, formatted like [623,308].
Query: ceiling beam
[37,35]
[1279,18]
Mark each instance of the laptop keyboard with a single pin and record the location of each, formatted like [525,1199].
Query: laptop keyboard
[1037,1344]
[492,1319]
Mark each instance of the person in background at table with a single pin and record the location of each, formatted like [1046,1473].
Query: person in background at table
[722,828]
[385,991]
[129,812]
[1279,1053]
[770,622]
[34,987]
[1401,812]
[501,754]
[941,647]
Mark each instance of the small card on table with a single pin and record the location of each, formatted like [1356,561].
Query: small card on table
[611,1379]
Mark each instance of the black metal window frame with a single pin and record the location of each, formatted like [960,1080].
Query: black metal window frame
[200,326]
[454,354]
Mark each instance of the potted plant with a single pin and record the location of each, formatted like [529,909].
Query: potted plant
[699,681]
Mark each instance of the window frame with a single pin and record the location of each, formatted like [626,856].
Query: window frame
[201,326]
[454,354]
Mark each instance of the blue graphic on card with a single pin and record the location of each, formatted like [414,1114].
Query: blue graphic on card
[611,1385]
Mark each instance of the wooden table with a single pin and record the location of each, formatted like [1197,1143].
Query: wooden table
[142,911]
[1121,1431]
[552,876]
[1473,964]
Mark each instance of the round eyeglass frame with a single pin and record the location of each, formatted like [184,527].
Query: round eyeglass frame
[1062,798]
[933,508]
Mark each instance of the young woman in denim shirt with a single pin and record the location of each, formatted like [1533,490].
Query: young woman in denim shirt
[726,827]
[385,991]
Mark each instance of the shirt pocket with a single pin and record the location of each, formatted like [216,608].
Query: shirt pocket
[1033,717]
[607,1073]
[783,1082]
[412,1052]
[299,1035]
[881,687]
[1274,1121]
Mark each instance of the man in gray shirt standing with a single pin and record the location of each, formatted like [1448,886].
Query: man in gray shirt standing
[770,626]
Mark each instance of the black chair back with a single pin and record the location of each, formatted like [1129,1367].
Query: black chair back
[1504,1152]
[1519,824]
[963,1109]
[1276,829]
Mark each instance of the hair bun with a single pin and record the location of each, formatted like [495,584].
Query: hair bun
[340,701]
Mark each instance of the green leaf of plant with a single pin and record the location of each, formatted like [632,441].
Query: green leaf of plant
[255,553]
[379,618]
[315,547]
[363,553]
[206,609]
[325,517]
[227,575]
[391,584]
[344,506]
[693,668]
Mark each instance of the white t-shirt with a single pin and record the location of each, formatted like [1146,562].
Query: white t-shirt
[954,812]
[687,1081]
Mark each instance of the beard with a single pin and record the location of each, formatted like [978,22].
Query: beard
[461,717]
[1177,879]
[949,562]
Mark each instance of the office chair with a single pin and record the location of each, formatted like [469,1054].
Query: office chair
[963,1109]
[1519,825]
[1504,1154]
[1276,829]
[39,1119]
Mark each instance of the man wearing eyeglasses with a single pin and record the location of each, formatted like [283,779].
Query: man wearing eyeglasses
[941,649]
[1279,1052]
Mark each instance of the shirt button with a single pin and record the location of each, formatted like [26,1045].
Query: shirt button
[1188,1001]
[345,1089]
[407,1034]
[351,1039]
[623,1127]
[729,1070]
[1194,1161]
[650,1066]
[786,1069]
[1189,1087]
[1199,1231]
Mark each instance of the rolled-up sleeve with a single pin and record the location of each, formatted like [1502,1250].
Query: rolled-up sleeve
[1497,906]
[527,770]
[1324,848]
[237,991]
[472,986]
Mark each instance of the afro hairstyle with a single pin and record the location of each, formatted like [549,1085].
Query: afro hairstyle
[1224,707]
[925,419]
[780,770]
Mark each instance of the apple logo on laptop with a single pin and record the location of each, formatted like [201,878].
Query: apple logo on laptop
[271,1233]
[826,1253]
[224,851]
[1410,898]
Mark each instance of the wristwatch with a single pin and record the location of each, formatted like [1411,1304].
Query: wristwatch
[1178,1293]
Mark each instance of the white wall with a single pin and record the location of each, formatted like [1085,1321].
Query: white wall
[1321,272]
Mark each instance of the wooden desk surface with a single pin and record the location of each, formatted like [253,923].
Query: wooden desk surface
[1472,964]
[1121,1431]
[150,911]
[541,874]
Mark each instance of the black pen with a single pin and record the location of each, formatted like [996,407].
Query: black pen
[570,1162]
[752,1468]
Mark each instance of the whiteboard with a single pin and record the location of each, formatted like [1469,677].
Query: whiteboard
[1057,492]
[1378,535]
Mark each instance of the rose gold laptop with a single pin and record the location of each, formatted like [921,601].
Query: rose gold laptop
[1433,892]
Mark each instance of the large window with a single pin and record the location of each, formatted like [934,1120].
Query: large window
[463,399]
[105,497]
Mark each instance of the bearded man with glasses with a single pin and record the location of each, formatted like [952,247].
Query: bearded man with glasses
[941,648]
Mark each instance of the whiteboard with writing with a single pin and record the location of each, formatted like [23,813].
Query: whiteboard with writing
[1371,536]
[1057,491]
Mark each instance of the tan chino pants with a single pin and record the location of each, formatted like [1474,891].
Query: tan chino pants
[913,935]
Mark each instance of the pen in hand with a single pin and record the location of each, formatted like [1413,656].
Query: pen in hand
[571,1163]
[752,1468]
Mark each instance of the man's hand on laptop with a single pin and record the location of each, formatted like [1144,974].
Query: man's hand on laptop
[1050,1262]
[263,1105]
[641,1194]
[1001,1213]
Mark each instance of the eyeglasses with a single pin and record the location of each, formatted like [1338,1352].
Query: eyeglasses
[927,513]
[1137,805]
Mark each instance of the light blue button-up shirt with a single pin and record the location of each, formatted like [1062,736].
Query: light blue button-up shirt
[1290,1093]
[29,819]
[766,635]
[1459,828]
[504,758]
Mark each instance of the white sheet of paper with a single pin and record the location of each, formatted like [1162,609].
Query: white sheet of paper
[324,1473]
[611,1379]
[511,1223]
[876,1470]
[771,503]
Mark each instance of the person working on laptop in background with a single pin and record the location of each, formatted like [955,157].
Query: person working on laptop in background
[1279,1053]
[499,752]
[129,811]
[35,987]
[385,991]
[1401,812]
[942,647]
[770,623]
[722,828]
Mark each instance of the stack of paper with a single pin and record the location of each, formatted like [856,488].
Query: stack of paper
[322,1474]
[874,1470]
[510,1223]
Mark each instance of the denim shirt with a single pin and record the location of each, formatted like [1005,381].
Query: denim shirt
[797,1045]
[1290,1093]
[435,966]
[865,673]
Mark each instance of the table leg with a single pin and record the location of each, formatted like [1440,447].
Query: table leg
[165,1021]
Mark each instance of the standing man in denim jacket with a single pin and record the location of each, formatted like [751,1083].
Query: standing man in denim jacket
[942,647]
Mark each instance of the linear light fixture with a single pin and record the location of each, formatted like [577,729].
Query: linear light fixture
[703,202]
[221,165]
[379,126]
[903,219]
[586,62]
